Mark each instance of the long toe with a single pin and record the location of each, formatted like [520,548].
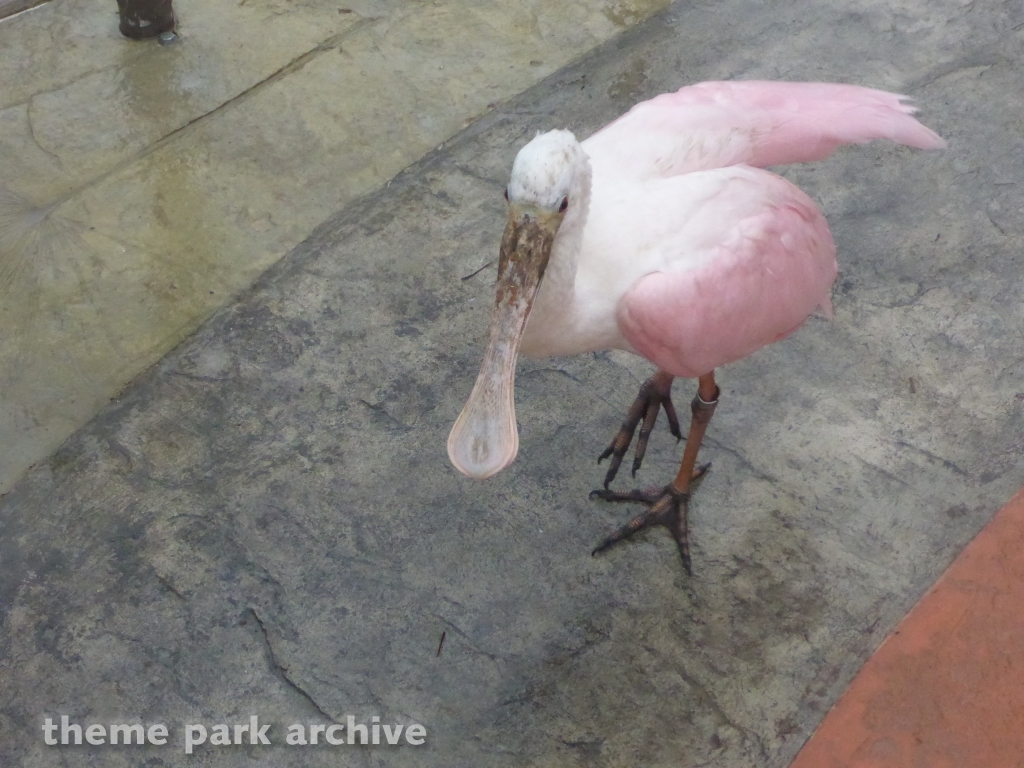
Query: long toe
[648,496]
[666,507]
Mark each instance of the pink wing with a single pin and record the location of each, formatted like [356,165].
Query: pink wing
[714,125]
[763,281]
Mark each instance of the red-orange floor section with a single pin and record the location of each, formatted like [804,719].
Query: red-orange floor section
[946,690]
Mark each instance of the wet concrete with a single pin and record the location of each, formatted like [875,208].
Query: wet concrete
[266,522]
[143,186]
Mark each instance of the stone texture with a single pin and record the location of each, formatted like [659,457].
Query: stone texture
[266,522]
[143,186]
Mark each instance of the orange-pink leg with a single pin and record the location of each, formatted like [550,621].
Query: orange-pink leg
[668,506]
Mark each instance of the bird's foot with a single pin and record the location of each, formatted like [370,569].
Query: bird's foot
[655,393]
[665,506]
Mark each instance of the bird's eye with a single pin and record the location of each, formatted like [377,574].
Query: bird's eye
[506,194]
[564,205]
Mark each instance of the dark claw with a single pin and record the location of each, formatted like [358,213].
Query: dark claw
[699,472]
[673,419]
[612,469]
[684,551]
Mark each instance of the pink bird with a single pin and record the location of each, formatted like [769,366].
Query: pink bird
[661,235]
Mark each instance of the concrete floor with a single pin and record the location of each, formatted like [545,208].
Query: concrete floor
[266,522]
[173,176]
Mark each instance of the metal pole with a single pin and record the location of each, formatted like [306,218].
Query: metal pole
[143,19]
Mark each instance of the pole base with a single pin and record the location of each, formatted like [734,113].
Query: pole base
[145,19]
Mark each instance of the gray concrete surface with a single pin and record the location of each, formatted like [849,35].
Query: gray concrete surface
[266,522]
[143,187]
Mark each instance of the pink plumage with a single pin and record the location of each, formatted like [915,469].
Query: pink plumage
[772,267]
[663,235]
[757,123]
[762,281]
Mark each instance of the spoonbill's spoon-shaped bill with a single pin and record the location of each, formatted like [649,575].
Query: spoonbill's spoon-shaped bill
[484,439]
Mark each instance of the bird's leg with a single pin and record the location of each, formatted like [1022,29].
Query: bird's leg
[655,393]
[668,506]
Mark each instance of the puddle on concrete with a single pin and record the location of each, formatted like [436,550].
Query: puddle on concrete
[147,184]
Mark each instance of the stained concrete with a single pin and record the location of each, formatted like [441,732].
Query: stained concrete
[266,522]
[144,186]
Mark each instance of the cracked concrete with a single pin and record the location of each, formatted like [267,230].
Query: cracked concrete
[266,521]
[282,671]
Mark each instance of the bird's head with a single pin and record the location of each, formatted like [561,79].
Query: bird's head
[484,439]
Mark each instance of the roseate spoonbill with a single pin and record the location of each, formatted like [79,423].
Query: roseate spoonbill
[661,235]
